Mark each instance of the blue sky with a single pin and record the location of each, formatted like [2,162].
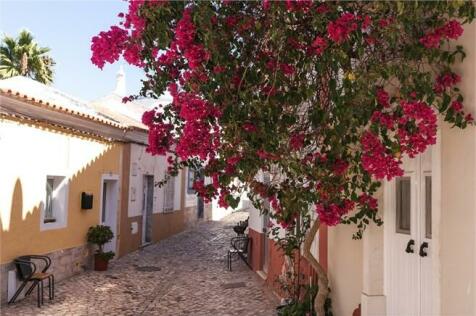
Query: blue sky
[67,27]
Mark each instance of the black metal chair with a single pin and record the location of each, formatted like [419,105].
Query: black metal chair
[239,246]
[27,272]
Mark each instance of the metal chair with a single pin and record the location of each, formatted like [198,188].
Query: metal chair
[27,272]
[240,227]
[239,246]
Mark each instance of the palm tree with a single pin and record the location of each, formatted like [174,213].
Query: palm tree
[23,56]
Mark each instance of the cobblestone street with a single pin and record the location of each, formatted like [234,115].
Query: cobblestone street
[182,275]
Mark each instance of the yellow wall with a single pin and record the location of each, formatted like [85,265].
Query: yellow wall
[27,155]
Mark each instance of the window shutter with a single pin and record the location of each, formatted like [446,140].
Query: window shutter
[169,194]
[49,199]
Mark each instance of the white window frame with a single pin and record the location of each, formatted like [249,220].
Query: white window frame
[59,206]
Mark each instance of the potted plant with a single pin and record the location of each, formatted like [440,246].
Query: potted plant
[100,235]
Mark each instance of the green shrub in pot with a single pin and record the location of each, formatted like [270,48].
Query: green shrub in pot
[100,235]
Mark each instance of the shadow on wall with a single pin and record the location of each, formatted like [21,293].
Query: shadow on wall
[21,229]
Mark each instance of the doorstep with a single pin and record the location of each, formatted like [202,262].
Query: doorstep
[262,274]
[145,245]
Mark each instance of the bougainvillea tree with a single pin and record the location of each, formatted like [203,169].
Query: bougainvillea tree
[327,97]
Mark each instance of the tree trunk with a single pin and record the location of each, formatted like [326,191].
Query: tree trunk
[322,282]
[24,64]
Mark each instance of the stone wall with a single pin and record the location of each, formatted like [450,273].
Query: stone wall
[64,264]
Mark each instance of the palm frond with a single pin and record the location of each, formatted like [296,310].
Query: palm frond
[37,64]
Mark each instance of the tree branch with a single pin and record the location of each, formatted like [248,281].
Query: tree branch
[323,282]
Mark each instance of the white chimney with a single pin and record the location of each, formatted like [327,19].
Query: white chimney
[120,83]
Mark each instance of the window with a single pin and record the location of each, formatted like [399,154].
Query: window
[169,195]
[55,204]
[190,181]
[49,216]
[403,196]
[428,207]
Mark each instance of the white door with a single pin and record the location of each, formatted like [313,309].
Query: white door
[109,198]
[425,244]
[147,206]
[408,239]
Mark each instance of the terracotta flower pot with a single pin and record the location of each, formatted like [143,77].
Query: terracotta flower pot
[100,264]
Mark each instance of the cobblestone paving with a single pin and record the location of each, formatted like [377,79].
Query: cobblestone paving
[182,275]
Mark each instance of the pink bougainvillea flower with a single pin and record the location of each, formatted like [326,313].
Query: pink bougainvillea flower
[218,69]
[160,139]
[322,8]
[367,22]
[457,106]
[108,46]
[340,29]
[319,45]
[249,127]
[287,69]
[383,119]
[383,98]
[423,134]
[331,214]
[148,117]
[296,141]
[340,167]
[452,30]
[376,160]
[383,23]
[445,81]
[366,200]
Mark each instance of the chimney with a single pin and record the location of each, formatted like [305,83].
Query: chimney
[120,83]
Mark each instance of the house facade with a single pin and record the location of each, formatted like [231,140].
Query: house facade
[56,150]
[149,213]
[422,261]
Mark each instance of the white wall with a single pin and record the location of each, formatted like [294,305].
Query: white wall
[256,220]
[456,229]
[37,154]
[344,269]
[142,163]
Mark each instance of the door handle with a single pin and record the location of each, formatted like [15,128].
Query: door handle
[423,249]
[410,245]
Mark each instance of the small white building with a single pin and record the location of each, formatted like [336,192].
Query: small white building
[150,213]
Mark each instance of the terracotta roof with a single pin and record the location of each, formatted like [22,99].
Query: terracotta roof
[25,119]
[38,94]
[59,108]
